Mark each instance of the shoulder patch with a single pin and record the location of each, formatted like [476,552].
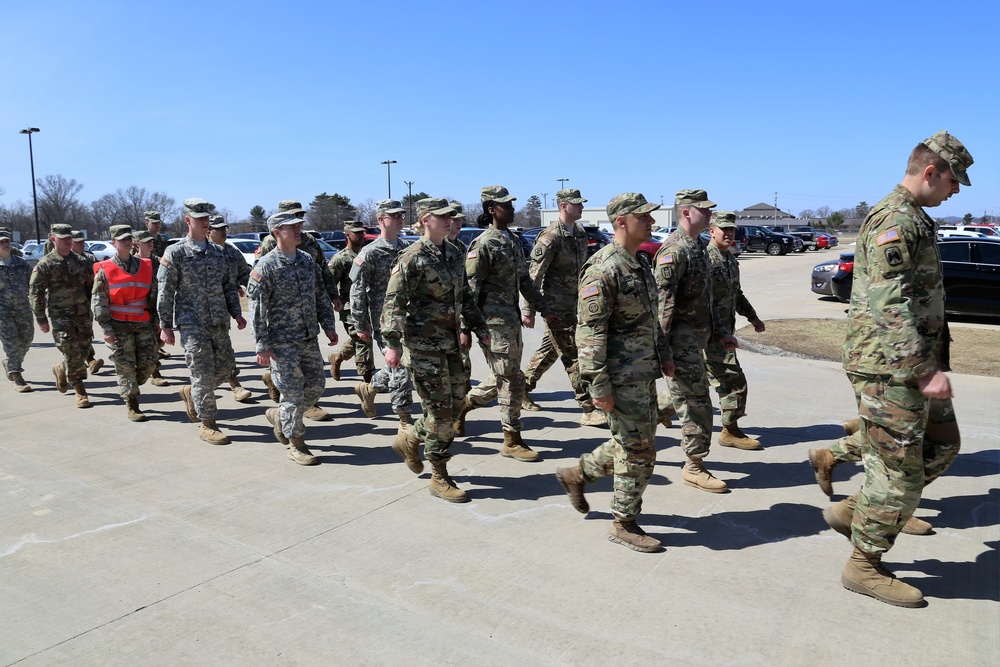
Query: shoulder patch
[164,261]
[472,255]
[545,240]
[589,291]
[255,276]
[665,259]
[359,260]
[887,237]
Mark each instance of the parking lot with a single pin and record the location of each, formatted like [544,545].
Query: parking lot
[125,544]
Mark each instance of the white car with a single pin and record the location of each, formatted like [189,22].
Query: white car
[102,250]
[247,247]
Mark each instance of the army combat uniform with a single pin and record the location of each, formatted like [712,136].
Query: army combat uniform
[361,351]
[17,329]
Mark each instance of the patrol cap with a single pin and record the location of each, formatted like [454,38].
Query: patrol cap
[197,208]
[629,202]
[152,216]
[696,198]
[497,193]
[570,196]
[216,222]
[119,232]
[142,236]
[282,218]
[290,206]
[724,219]
[353,226]
[457,210]
[5,234]
[953,152]
[61,231]
[78,235]
[433,206]
[390,206]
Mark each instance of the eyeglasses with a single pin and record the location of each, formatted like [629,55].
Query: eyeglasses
[396,216]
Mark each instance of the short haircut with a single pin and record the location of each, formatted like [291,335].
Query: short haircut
[921,157]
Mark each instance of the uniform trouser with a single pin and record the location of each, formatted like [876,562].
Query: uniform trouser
[17,330]
[726,375]
[506,381]
[134,355]
[208,353]
[467,367]
[909,441]
[396,381]
[558,343]
[73,336]
[439,379]
[849,447]
[297,372]
[630,450]
[91,352]
[689,393]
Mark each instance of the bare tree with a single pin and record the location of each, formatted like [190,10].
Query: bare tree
[365,212]
[128,206]
[57,200]
[19,217]
[472,212]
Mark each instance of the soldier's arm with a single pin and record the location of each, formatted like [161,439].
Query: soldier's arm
[394,307]
[327,280]
[242,269]
[596,297]
[167,289]
[100,301]
[38,288]
[258,302]
[668,266]
[359,295]
[324,310]
[230,292]
[542,254]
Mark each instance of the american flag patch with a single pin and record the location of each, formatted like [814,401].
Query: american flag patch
[472,255]
[666,259]
[255,276]
[891,235]
[359,260]
[545,240]
[164,261]
[588,291]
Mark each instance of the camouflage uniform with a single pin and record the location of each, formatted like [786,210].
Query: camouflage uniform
[236,265]
[340,268]
[159,240]
[90,259]
[369,279]
[197,296]
[134,349]
[619,355]
[16,328]
[288,302]
[460,266]
[309,246]
[496,271]
[427,300]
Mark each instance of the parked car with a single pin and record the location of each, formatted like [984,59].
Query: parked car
[734,249]
[648,249]
[335,237]
[468,234]
[947,231]
[372,233]
[247,247]
[843,278]
[258,236]
[821,278]
[754,237]
[971,269]
[102,250]
[33,252]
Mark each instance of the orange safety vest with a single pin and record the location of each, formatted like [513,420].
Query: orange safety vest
[128,292]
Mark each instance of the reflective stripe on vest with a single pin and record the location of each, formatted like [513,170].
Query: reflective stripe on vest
[128,293]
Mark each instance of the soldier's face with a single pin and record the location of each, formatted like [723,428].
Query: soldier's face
[437,227]
[456,227]
[942,185]
[722,238]
[197,225]
[145,248]
[573,211]
[356,239]
[218,235]
[291,233]
[4,247]
[123,246]
[153,226]
[698,218]
[503,213]
[78,247]
[62,246]
[638,228]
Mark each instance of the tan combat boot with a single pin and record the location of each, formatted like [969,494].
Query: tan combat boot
[915,526]
[298,452]
[514,448]
[572,481]
[158,380]
[134,413]
[210,433]
[733,436]
[335,361]
[239,392]
[189,408]
[628,533]
[273,416]
[366,392]
[852,426]
[60,372]
[823,462]
[528,404]
[443,486]
[694,474]
[272,391]
[594,417]
[317,414]
[866,575]
[459,423]
[82,400]
[405,418]
[407,445]
[20,386]
[840,515]
[95,366]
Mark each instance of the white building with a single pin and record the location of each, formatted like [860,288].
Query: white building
[598,217]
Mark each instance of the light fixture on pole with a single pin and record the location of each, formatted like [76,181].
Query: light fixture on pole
[388,174]
[34,194]
[409,199]
[562,183]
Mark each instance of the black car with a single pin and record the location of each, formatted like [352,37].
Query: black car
[336,237]
[843,279]
[755,237]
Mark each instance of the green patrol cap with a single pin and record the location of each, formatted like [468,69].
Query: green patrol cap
[497,193]
[216,222]
[119,232]
[390,206]
[197,208]
[457,210]
[433,206]
[290,206]
[570,196]
[282,218]
[142,235]
[353,226]
[629,202]
[696,198]
[61,231]
[78,235]
[153,216]
[5,234]
[724,219]
[953,152]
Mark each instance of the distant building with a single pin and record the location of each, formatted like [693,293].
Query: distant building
[760,212]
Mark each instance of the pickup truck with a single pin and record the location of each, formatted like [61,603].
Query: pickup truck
[755,237]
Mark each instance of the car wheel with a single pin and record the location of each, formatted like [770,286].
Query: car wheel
[775,249]
[802,249]
[644,257]
[815,247]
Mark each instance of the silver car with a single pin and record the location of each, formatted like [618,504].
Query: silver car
[821,275]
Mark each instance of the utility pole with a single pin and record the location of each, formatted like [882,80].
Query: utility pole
[545,199]
[388,174]
[775,207]
[409,198]
[34,194]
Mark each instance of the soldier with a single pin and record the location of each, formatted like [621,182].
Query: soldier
[896,357]
[60,284]
[307,244]
[496,271]
[124,305]
[340,266]
[197,295]
[688,320]
[620,357]
[724,370]
[457,222]
[16,328]
[154,225]
[287,299]
[239,273]
[143,243]
[426,295]
[369,279]
[556,260]
[80,248]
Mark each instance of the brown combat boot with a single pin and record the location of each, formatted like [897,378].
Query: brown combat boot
[298,452]
[459,423]
[823,462]
[20,386]
[514,448]
[528,404]
[210,433]
[694,474]
[335,361]
[866,575]
[239,393]
[407,445]
[317,414]
[366,392]
[186,396]
[272,391]
[733,436]
[852,426]
[134,413]
[915,526]
[628,533]
[594,417]
[82,400]
[59,371]
[443,486]
[840,515]
[158,380]
[95,366]
[273,416]
[572,481]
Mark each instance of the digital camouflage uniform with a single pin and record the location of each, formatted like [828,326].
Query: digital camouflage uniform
[288,303]
[369,275]
[134,350]
[239,274]
[340,268]
[619,355]
[17,329]
[308,245]
[427,300]
[197,296]
[497,273]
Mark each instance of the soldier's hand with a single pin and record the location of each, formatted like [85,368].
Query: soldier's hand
[758,326]
[44,326]
[109,338]
[392,358]
[331,335]
[364,335]
[729,342]
[167,335]
[606,403]
[241,322]
[264,358]
[338,305]
[935,385]
[465,341]
[527,321]
[668,369]
[241,291]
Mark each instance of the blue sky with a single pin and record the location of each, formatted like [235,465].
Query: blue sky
[250,102]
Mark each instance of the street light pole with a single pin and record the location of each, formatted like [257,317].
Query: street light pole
[34,193]
[388,174]
[545,197]
[562,183]
[409,199]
